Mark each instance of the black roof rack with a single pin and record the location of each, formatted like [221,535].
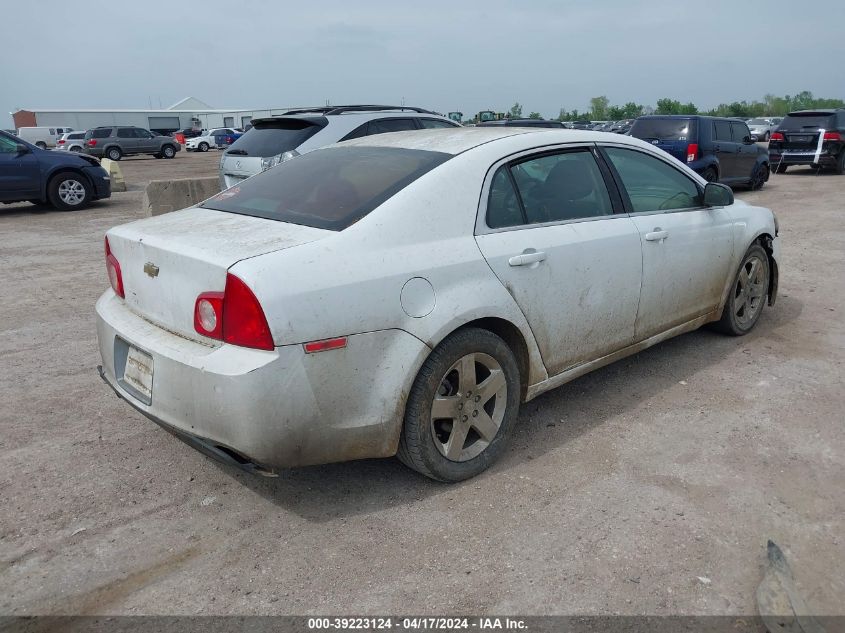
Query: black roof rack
[356,108]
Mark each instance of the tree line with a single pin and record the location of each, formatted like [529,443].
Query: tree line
[771,105]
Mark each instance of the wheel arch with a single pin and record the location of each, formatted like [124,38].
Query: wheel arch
[764,239]
[51,175]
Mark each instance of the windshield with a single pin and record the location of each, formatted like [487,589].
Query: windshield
[330,188]
[811,121]
[272,138]
[664,129]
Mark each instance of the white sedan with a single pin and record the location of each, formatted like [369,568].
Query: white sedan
[206,141]
[404,293]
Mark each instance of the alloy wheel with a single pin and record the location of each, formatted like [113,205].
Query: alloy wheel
[750,290]
[469,407]
[72,192]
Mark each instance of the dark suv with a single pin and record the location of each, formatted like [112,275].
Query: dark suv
[67,180]
[809,137]
[719,149]
[521,123]
[115,142]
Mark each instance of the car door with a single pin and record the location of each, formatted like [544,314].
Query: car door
[127,140]
[725,149]
[147,141]
[549,230]
[746,150]
[687,248]
[20,174]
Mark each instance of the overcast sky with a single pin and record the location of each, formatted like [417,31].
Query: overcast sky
[546,54]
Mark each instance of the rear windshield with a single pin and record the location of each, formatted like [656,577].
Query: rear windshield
[664,129]
[329,188]
[274,137]
[809,121]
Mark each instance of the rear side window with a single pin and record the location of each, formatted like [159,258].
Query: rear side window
[330,188]
[722,130]
[808,121]
[99,133]
[77,135]
[276,137]
[126,132]
[651,184]
[665,129]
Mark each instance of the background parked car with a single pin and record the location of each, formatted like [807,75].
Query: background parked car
[720,149]
[189,132]
[43,137]
[276,139]
[67,181]
[224,139]
[761,128]
[115,142]
[72,142]
[207,139]
[810,137]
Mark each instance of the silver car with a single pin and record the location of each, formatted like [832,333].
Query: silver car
[761,129]
[72,141]
[276,139]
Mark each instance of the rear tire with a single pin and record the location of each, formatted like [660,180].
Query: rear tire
[68,191]
[781,169]
[114,153]
[747,295]
[759,177]
[710,175]
[168,152]
[840,163]
[472,379]
[203,147]
[76,148]
[41,144]
[766,137]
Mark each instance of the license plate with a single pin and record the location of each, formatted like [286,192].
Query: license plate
[800,138]
[138,373]
[798,152]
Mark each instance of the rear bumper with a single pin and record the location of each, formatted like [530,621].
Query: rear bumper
[808,157]
[268,409]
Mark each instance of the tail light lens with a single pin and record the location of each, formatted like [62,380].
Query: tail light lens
[113,270]
[61,141]
[776,136]
[234,316]
[832,136]
[91,142]
[692,152]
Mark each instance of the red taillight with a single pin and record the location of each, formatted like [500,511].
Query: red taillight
[61,141]
[325,346]
[234,316]
[113,270]
[776,136]
[692,152]
[832,136]
[91,142]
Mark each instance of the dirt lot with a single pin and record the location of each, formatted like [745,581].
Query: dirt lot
[619,490]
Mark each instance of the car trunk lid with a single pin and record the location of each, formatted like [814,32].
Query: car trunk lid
[168,260]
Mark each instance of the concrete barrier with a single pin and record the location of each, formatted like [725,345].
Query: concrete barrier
[117,181]
[164,196]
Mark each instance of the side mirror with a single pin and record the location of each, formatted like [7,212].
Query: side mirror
[748,140]
[22,149]
[718,195]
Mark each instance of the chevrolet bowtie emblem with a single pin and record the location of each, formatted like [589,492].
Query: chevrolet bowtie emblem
[151,269]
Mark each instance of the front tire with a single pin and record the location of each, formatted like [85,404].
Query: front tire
[203,147]
[114,153]
[168,152]
[748,294]
[461,408]
[68,191]
[759,177]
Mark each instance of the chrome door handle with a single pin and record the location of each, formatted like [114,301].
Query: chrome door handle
[528,257]
[657,235]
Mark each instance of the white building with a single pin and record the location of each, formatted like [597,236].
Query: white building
[190,112]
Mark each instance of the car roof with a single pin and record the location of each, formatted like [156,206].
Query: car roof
[462,139]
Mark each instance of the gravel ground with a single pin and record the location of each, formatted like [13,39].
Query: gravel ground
[647,487]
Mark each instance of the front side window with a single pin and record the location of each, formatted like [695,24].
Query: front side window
[435,123]
[651,184]
[7,145]
[141,133]
[330,188]
[382,126]
[740,131]
[549,188]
